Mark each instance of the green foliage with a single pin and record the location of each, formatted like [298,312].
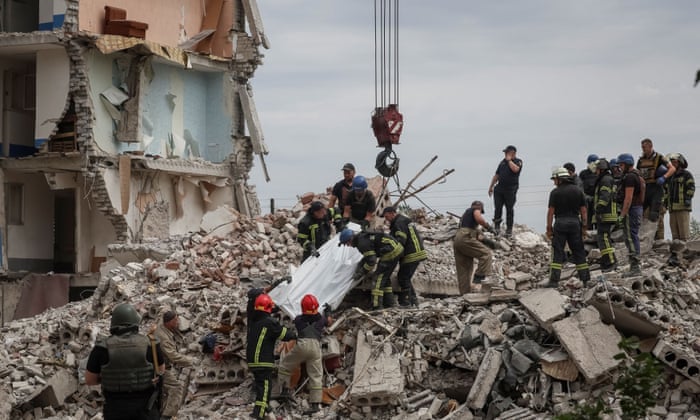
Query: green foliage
[694,229]
[636,388]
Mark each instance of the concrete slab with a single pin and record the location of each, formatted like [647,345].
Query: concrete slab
[591,344]
[545,305]
[378,379]
[622,312]
[679,359]
[485,378]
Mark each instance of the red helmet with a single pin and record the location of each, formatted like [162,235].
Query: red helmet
[309,304]
[264,303]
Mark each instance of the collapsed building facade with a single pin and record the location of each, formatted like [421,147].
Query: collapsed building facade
[121,125]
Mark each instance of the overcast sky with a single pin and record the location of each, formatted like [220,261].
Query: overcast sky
[558,79]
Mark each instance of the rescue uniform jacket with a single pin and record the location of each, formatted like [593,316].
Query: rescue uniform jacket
[403,229]
[310,326]
[604,199]
[263,332]
[314,232]
[376,246]
[588,179]
[680,190]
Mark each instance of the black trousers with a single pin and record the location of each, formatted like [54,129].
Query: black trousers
[567,230]
[406,271]
[116,408]
[262,385]
[605,244]
[382,280]
[653,197]
[504,197]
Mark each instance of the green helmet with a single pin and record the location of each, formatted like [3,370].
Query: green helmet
[124,317]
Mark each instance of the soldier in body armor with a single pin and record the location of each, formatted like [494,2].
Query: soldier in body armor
[655,170]
[127,365]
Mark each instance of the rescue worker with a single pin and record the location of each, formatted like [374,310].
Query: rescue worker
[127,365]
[403,229]
[361,204]
[572,172]
[468,246]
[605,206]
[342,188]
[381,253]
[504,188]
[588,178]
[168,333]
[309,326]
[630,196]
[680,189]
[314,229]
[566,215]
[615,169]
[654,170]
[263,333]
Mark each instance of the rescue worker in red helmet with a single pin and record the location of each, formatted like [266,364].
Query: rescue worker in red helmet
[309,326]
[263,332]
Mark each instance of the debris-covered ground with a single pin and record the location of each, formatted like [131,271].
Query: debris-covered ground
[512,351]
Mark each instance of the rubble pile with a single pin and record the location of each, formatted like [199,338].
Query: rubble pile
[513,351]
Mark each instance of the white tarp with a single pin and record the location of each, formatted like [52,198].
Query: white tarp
[328,277]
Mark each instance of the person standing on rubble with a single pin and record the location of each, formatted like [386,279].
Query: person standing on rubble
[381,254]
[314,229]
[588,177]
[605,206]
[504,188]
[360,205]
[168,333]
[309,326]
[340,191]
[403,229]
[572,172]
[680,189]
[128,365]
[654,170]
[468,246]
[263,333]
[567,204]
[630,196]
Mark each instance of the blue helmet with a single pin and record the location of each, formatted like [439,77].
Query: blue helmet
[613,162]
[359,183]
[626,158]
[346,235]
[591,158]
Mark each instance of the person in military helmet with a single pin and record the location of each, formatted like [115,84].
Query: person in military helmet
[567,203]
[127,364]
[360,204]
[309,326]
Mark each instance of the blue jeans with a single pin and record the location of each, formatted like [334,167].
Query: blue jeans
[630,227]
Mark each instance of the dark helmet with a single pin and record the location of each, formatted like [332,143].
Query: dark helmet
[309,304]
[626,158]
[359,183]
[603,164]
[613,162]
[591,158]
[124,317]
[264,303]
[476,204]
[346,235]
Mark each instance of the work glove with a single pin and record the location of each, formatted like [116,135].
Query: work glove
[313,251]
[490,229]
[358,275]
[364,224]
[660,180]
[326,309]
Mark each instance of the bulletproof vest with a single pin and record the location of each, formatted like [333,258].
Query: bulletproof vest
[647,167]
[127,369]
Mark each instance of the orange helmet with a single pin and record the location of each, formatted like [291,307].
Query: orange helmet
[309,304]
[264,303]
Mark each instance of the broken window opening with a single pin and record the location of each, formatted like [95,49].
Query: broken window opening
[64,138]
[14,203]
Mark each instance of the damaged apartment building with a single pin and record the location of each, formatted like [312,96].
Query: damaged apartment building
[123,121]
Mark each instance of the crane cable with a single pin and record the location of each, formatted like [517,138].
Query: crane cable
[386,52]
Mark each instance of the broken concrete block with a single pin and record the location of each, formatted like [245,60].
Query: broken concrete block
[491,327]
[485,378]
[591,344]
[627,314]
[378,379]
[680,360]
[545,305]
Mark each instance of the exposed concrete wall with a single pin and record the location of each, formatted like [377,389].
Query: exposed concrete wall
[169,21]
[16,126]
[33,239]
[100,70]
[52,81]
[51,14]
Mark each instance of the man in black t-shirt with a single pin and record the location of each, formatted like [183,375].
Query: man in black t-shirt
[504,187]
[567,204]
[342,188]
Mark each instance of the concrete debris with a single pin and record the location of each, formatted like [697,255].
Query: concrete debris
[511,351]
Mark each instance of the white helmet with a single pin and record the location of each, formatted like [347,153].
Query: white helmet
[560,173]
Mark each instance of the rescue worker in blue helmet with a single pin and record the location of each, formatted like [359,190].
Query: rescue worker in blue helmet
[630,197]
[360,204]
[381,254]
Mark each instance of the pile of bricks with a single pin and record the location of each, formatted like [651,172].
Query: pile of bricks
[513,351]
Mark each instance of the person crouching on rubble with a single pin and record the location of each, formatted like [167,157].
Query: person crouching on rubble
[467,246]
[263,332]
[378,250]
[309,326]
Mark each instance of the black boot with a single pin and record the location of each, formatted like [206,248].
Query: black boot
[313,408]
[584,276]
[554,276]
[413,297]
[635,267]
[403,299]
[388,300]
